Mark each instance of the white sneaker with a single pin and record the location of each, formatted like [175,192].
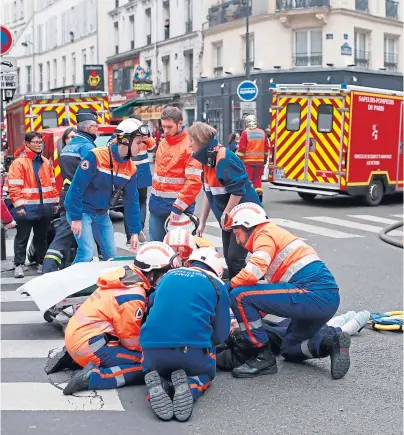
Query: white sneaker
[339,321]
[357,323]
[39,269]
[19,271]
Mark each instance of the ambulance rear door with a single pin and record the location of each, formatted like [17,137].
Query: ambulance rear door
[289,138]
[46,114]
[325,141]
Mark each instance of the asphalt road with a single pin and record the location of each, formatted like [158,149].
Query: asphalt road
[299,399]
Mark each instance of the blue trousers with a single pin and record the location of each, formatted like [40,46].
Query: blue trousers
[143,209]
[118,366]
[198,364]
[309,312]
[156,227]
[99,226]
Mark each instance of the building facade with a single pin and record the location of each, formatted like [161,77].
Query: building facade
[295,41]
[57,39]
[159,41]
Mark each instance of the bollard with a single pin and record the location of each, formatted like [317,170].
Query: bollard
[3,243]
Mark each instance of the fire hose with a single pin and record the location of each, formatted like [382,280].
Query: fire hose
[390,240]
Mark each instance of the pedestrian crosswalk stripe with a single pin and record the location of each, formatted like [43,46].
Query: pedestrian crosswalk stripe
[350,224]
[14,297]
[21,317]
[120,241]
[321,231]
[28,348]
[368,217]
[37,396]
[5,281]
[398,215]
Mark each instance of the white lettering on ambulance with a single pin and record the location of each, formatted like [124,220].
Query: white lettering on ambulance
[375,100]
[373,163]
[373,156]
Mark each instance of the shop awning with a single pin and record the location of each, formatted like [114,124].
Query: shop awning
[151,103]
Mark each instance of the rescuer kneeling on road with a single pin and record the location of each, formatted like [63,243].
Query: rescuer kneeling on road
[298,286]
[226,184]
[99,182]
[103,335]
[188,317]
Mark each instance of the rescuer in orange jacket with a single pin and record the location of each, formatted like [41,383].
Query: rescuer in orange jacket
[297,285]
[103,335]
[253,150]
[32,190]
[177,175]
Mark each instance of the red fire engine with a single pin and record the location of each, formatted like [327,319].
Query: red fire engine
[337,139]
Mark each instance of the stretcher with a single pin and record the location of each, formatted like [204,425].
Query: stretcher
[390,321]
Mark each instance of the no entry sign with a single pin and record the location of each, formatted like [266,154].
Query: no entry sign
[6,40]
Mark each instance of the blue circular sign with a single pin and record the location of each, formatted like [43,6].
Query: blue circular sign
[247,90]
[6,40]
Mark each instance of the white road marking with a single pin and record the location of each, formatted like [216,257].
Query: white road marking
[35,396]
[21,317]
[350,224]
[313,229]
[120,241]
[28,348]
[5,281]
[214,224]
[14,297]
[368,217]
[398,215]
[217,241]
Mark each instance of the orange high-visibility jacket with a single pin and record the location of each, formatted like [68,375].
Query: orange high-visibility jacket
[115,308]
[177,176]
[38,199]
[253,147]
[276,256]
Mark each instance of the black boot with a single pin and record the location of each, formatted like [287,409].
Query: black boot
[160,400]
[62,360]
[183,401]
[229,359]
[80,380]
[260,196]
[337,346]
[263,362]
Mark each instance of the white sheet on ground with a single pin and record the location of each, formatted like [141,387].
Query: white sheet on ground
[49,289]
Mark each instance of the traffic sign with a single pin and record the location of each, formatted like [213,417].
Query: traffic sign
[6,40]
[247,90]
[8,64]
[9,80]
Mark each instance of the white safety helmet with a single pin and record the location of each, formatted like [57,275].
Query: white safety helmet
[156,255]
[182,241]
[210,257]
[247,215]
[184,222]
[251,121]
[131,127]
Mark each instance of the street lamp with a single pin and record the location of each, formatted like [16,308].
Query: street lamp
[247,3]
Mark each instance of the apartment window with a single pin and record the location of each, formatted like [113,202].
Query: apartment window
[189,70]
[117,3]
[48,76]
[293,116]
[390,53]
[116,37]
[148,26]
[14,11]
[92,58]
[252,50]
[73,68]
[55,73]
[392,9]
[28,76]
[64,71]
[361,44]
[132,31]
[325,118]
[188,16]
[84,56]
[40,38]
[22,9]
[362,5]
[166,17]
[308,48]
[218,59]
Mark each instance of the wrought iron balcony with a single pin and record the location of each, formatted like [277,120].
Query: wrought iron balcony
[392,9]
[391,61]
[188,26]
[362,5]
[251,63]
[165,88]
[285,5]
[308,59]
[218,71]
[229,11]
[362,58]
[148,39]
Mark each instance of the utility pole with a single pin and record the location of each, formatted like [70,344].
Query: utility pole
[247,41]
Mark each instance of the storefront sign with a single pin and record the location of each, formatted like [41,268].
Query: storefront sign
[142,82]
[93,78]
[149,112]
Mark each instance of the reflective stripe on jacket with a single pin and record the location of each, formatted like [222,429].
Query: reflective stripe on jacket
[279,256]
[253,147]
[115,308]
[37,198]
[177,176]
